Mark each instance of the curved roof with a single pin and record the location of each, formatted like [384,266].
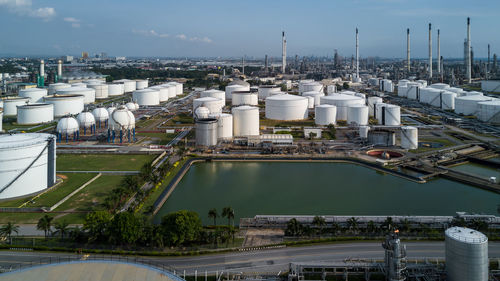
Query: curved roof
[466,235]
[22,140]
[341,97]
[239,82]
[285,97]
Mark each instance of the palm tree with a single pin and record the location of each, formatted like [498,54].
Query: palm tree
[319,222]
[353,223]
[62,227]
[44,223]
[228,212]
[8,229]
[212,213]
[388,224]
[371,227]
[293,228]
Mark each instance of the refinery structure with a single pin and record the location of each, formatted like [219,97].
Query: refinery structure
[415,119]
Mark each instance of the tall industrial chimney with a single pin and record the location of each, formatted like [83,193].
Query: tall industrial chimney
[439,54]
[408,49]
[357,54]
[42,68]
[488,69]
[266,61]
[469,62]
[283,52]
[430,52]
[59,68]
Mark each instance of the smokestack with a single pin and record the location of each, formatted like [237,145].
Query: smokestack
[439,54]
[469,62]
[42,68]
[430,52]
[408,49]
[266,63]
[59,68]
[283,52]
[243,65]
[488,57]
[357,54]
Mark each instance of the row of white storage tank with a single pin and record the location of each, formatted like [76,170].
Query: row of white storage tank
[156,94]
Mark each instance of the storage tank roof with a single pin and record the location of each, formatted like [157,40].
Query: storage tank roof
[35,105]
[239,82]
[325,105]
[491,102]
[34,90]
[475,98]
[466,235]
[8,141]
[341,97]
[245,107]
[148,90]
[204,99]
[285,97]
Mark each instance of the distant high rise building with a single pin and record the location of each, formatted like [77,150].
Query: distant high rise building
[494,67]
[85,55]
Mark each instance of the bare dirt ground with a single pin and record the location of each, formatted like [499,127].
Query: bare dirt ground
[255,237]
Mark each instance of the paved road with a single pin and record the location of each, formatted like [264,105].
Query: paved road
[269,261]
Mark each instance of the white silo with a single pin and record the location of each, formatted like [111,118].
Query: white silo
[403,90]
[179,88]
[141,84]
[316,95]
[245,121]
[231,88]
[472,93]
[302,82]
[101,90]
[86,121]
[371,104]
[312,87]
[214,94]
[34,94]
[363,131]
[467,105]
[224,126]
[88,93]
[101,115]
[286,107]
[342,101]
[146,97]
[466,254]
[409,137]
[121,124]
[116,89]
[413,90]
[201,112]
[489,111]
[331,89]
[162,92]
[128,85]
[310,102]
[388,114]
[57,86]
[439,86]
[65,104]
[266,90]
[35,113]
[206,132]
[172,90]
[244,98]
[357,115]
[67,128]
[10,105]
[28,164]
[325,114]
[213,104]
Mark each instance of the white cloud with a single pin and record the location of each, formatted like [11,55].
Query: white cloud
[74,22]
[181,36]
[194,39]
[25,8]
[151,32]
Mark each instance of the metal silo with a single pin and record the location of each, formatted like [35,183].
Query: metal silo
[409,137]
[206,132]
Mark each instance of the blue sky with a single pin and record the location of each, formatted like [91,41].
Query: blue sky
[232,28]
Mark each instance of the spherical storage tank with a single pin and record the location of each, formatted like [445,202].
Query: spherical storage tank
[121,119]
[131,106]
[231,88]
[101,115]
[201,112]
[67,126]
[162,92]
[146,97]
[467,105]
[141,84]
[225,126]
[286,107]
[28,163]
[115,89]
[342,102]
[489,111]
[206,131]
[372,101]
[266,91]
[85,120]
[213,104]
[88,93]
[357,115]
[128,85]
[244,98]
[325,114]
[466,254]
[101,90]
[110,110]
[316,95]
[57,86]
[10,105]
[34,94]
[214,94]
[65,104]
[409,137]
[245,121]
[35,113]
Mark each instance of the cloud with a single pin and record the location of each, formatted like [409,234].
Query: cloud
[74,22]
[183,37]
[151,33]
[25,8]
[194,39]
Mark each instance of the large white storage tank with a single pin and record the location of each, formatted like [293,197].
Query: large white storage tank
[178,88]
[231,88]
[79,84]
[430,96]
[439,86]
[489,111]
[325,114]
[386,86]
[467,105]
[267,90]
[128,85]
[409,137]
[146,97]
[101,115]
[116,89]
[88,93]
[447,100]
[162,91]
[28,164]
[357,115]
[206,131]
[312,87]
[458,91]
[332,89]
[244,98]
[86,120]
[316,95]
[35,113]
[225,126]
[286,107]
[101,90]
[402,82]
[172,90]
[213,104]
[34,94]
[57,86]
[65,104]
[245,121]
[413,90]
[214,94]
[141,84]
[466,254]
[342,102]
[388,114]
[372,101]
[121,120]
[10,105]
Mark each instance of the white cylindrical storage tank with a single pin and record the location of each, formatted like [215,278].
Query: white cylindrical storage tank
[213,104]
[85,120]
[363,131]
[332,89]
[178,88]
[342,101]
[409,137]
[172,90]
[101,114]
[325,114]
[35,113]
[357,115]
[266,90]
[386,85]
[466,254]
[439,86]
[286,107]
[231,88]
[141,84]
[302,82]
[101,90]
[162,91]
[310,102]
[57,86]
[423,83]
[201,112]
[87,93]
[402,82]
[67,126]
[312,87]
[10,105]
[427,95]
[244,98]
[121,120]
[128,85]
[65,104]
[34,94]
[472,93]
[206,131]
[225,126]
[115,89]
[245,121]
[214,94]
[79,85]
[93,81]
[28,164]
[413,90]
[489,111]
[447,100]
[389,115]
[1,118]
[316,95]
[467,105]
[146,97]
[403,90]
[371,104]
[458,91]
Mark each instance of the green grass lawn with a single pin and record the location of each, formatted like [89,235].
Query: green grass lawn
[158,138]
[7,126]
[102,162]
[279,123]
[444,142]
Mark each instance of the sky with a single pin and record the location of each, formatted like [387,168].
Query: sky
[233,28]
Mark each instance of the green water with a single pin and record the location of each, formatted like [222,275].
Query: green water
[477,169]
[263,188]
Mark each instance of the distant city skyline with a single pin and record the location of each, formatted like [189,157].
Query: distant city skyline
[224,28]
